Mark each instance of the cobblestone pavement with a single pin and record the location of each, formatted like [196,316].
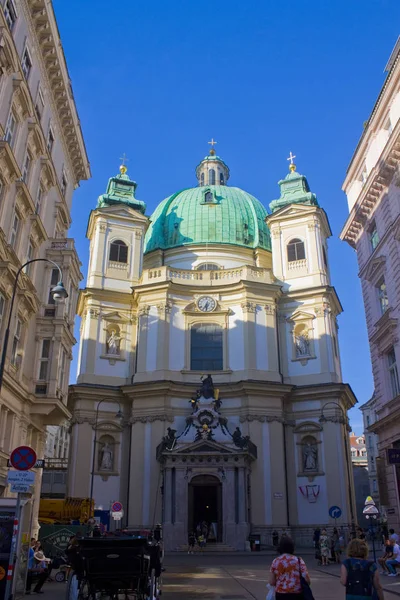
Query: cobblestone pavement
[230,577]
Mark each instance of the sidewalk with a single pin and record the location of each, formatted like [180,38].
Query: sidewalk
[389,584]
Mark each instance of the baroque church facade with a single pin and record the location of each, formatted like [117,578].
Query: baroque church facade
[212,326]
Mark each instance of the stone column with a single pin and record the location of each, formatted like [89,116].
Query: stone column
[164,310]
[249,335]
[3,426]
[142,341]
[167,495]
[136,267]
[229,507]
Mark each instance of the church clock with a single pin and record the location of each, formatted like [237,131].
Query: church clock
[206,304]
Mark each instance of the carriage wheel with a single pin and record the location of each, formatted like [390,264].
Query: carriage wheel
[84,591]
[60,576]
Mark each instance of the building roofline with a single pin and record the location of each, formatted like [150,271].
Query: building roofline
[390,67]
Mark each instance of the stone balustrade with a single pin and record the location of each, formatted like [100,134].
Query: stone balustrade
[205,278]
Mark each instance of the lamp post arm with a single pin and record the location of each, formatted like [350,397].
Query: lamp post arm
[7,332]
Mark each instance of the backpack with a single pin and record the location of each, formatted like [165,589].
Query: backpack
[359,578]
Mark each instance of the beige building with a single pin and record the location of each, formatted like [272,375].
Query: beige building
[42,161]
[202,287]
[372,186]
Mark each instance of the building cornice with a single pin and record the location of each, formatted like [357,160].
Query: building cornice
[361,148]
[377,183]
[41,18]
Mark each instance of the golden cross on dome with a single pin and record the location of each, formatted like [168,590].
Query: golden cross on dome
[212,143]
[292,166]
[123,168]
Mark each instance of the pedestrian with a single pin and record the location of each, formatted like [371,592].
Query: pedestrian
[393,537]
[316,536]
[336,546]
[285,572]
[191,541]
[393,563]
[324,548]
[359,575]
[35,569]
[387,555]
[202,542]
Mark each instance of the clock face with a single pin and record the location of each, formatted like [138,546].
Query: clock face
[206,304]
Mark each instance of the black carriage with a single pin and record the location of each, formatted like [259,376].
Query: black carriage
[116,568]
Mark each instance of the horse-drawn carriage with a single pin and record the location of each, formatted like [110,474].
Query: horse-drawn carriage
[114,568]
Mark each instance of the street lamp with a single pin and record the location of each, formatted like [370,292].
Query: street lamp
[371,512]
[119,416]
[58,292]
[323,419]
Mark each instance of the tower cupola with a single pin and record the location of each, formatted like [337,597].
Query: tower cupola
[294,189]
[212,170]
[121,190]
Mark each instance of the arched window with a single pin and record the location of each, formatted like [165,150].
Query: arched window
[211,177]
[206,348]
[202,179]
[221,179]
[208,267]
[208,197]
[119,251]
[295,250]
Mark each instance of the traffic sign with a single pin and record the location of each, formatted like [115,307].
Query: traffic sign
[116,507]
[24,477]
[20,488]
[335,512]
[117,515]
[23,458]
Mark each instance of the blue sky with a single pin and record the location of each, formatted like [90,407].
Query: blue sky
[157,79]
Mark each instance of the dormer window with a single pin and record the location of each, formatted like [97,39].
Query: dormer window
[208,197]
[208,267]
[118,252]
[211,177]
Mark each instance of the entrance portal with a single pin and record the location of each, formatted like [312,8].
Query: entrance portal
[205,506]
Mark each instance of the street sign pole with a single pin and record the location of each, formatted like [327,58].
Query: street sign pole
[22,459]
[10,570]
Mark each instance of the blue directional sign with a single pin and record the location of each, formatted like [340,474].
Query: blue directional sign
[335,512]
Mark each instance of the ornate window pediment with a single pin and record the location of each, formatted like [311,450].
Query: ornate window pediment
[375,269]
[115,317]
[307,427]
[300,316]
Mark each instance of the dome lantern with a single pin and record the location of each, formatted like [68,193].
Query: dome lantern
[212,170]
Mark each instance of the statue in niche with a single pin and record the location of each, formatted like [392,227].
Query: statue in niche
[310,457]
[302,343]
[207,387]
[113,343]
[106,457]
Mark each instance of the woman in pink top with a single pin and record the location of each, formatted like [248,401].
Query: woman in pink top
[285,572]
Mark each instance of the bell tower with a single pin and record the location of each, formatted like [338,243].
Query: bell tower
[299,231]
[116,232]
[309,305]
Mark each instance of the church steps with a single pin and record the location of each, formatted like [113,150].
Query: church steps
[210,548]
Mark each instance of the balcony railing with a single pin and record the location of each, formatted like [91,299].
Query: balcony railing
[206,278]
[296,265]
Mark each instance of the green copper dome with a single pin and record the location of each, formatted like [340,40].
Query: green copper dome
[208,214]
